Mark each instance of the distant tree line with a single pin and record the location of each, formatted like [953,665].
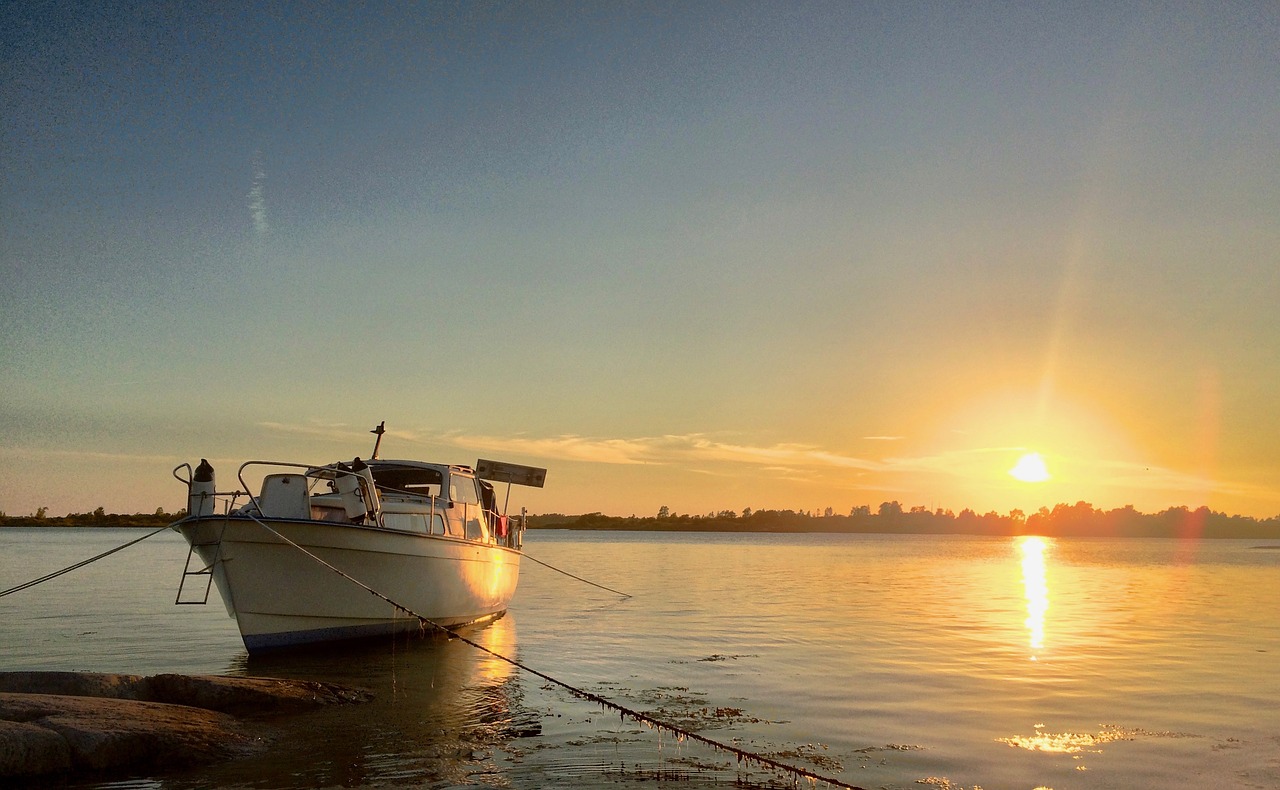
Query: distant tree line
[1079,520]
[98,518]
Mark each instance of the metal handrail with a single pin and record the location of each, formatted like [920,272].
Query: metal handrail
[516,524]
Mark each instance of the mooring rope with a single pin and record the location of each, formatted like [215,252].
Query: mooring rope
[624,712]
[571,576]
[71,568]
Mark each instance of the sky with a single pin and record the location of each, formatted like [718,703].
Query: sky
[701,255]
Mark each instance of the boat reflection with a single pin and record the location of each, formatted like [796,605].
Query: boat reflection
[441,710]
[1035,589]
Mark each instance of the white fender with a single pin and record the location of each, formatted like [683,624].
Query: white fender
[200,499]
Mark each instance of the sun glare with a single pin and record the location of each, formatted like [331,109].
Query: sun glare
[1030,469]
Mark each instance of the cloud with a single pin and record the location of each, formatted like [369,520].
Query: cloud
[664,450]
[1129,475]
[335,431]
[667,449]
[709,455]
[47,454]
[696,449]
[565,448]
[257,198]
[949,462]
[330,430]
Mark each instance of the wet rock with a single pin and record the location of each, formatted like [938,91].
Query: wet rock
[50,733]
[63,723]
[76,684]
[246,696]
[32,750]
[236,695]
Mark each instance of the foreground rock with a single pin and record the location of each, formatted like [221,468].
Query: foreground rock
[52,734]
[74,722]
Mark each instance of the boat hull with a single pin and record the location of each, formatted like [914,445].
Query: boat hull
[281,597]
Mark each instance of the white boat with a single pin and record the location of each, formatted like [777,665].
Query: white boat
[296,563]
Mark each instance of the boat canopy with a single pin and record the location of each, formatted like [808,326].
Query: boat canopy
[502,472]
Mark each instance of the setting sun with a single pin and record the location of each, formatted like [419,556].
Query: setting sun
[1030,469]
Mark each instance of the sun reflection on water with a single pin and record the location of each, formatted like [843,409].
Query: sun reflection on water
[1035,589]
[500,637]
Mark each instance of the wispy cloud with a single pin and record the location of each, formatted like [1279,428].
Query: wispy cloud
[667,449]
[691,450]
[257,196]
[949,462]
[43,453]
[566,448]
[706,454]
[1130,475]
[333,431]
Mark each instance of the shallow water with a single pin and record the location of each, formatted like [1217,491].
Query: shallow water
[884,661]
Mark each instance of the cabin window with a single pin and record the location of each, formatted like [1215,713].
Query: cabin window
[463,489]
[328,513]
[466,501]
[454,528]
[409,522]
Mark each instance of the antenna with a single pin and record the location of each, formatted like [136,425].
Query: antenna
[381,429]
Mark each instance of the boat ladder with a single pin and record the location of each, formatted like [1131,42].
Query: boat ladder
[201,570]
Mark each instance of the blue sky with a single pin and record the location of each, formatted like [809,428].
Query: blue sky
[706,255]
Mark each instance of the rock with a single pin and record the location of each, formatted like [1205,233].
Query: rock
[70,722]
[246,696]
[32,750]
[100,734]
[235,695]
[76,684]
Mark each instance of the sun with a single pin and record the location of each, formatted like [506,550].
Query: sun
[1030,469]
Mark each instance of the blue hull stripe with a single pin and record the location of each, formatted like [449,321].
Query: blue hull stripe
[261,643]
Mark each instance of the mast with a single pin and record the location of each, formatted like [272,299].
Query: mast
[381,429]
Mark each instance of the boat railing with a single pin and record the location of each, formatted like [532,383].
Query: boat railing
[511,536]
[507,530]
[312,473]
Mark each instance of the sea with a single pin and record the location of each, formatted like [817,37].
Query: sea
[882,661]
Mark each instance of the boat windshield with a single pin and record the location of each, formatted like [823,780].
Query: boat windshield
[409,480]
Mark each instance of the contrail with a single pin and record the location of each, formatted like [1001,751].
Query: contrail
[257,200]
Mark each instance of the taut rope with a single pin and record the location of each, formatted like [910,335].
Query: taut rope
[71,568]
[571,576]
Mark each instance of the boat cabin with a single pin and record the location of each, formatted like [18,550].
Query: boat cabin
[447,500]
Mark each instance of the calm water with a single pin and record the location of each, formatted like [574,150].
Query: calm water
[886,661]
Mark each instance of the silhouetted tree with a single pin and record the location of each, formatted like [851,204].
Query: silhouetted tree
[890,509]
